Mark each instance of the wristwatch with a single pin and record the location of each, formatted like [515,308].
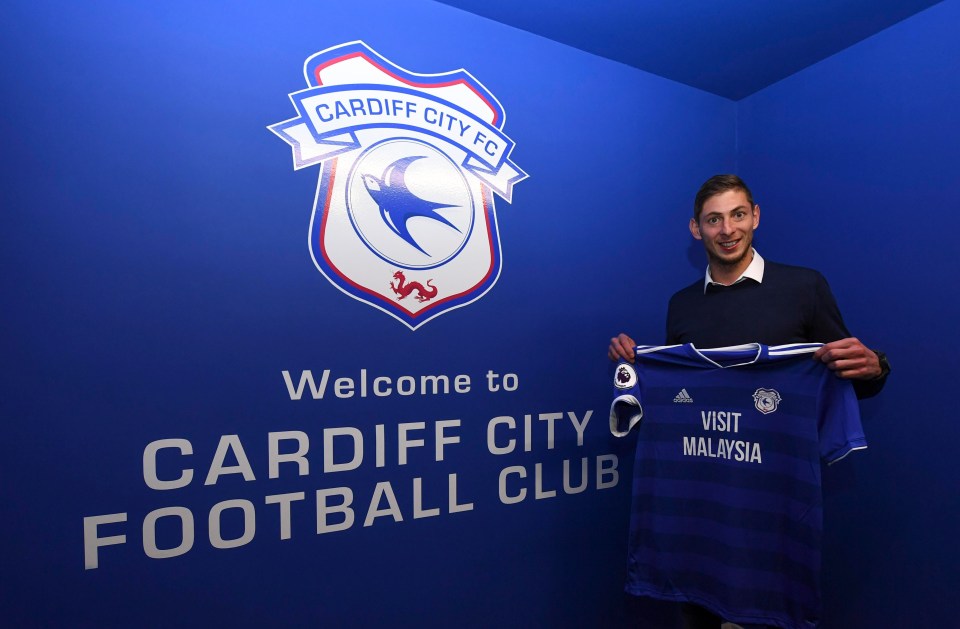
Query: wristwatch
[884,365]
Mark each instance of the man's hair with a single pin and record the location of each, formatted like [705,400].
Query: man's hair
[718,184]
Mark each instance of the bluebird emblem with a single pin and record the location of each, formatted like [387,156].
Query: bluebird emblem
[398,205]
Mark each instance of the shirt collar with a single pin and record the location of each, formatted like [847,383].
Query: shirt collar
[754,271]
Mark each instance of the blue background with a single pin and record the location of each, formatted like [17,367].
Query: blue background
[157,280]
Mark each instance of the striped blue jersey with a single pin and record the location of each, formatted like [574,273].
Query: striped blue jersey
[727,506]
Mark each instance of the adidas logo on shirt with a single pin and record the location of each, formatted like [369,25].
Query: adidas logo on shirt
[683,397]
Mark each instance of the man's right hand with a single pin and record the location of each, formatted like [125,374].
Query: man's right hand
[621,348]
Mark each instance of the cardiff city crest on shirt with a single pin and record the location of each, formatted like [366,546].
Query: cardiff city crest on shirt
[766,400]
[404,217]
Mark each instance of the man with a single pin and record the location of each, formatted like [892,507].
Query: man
[745,299]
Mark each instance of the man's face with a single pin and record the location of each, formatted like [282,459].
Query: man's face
[726,227]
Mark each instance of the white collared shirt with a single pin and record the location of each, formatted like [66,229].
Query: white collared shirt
[754,271]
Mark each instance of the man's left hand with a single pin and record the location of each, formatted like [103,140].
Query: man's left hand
[850,358]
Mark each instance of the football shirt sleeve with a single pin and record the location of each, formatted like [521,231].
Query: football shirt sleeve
[838,418]
[626,410]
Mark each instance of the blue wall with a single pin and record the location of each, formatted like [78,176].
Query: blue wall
[157,283]
[854,162]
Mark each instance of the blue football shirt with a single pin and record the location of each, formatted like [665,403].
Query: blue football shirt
[727,506]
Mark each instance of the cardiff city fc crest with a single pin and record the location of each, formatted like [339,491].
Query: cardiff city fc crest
[766,400]
[404,216]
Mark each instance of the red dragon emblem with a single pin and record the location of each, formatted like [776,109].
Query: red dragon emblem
[403,289]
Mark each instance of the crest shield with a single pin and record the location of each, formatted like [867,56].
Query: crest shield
[404,216]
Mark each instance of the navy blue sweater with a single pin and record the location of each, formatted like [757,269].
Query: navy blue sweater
[791,305]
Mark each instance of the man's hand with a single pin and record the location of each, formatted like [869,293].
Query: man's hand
[621,347]
[850,358]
